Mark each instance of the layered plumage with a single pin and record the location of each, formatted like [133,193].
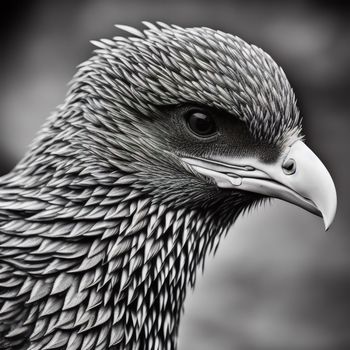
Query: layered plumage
[102,225]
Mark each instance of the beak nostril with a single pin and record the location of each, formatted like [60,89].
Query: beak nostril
[289,166]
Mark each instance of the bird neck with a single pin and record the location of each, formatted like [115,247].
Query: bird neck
[107,262]
[149,268]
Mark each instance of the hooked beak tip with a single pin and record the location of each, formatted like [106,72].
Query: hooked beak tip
[327,223]
[328,218]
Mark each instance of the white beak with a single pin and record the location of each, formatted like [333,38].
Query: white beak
[298,176]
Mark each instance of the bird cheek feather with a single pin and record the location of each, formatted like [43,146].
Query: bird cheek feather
[297,176]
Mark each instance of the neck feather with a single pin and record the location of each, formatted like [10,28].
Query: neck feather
[97,266]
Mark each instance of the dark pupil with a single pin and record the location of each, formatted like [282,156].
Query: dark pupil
[201,124]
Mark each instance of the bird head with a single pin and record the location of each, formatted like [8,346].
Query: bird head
[163,139]
[197,117]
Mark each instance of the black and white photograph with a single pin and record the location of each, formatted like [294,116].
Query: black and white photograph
[174,175]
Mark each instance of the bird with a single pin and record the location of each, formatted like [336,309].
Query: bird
[166,135]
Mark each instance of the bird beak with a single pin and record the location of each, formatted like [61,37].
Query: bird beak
[298,177]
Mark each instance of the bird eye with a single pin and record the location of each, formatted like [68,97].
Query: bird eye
[201,124]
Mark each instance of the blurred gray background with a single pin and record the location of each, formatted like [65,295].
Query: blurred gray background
[278,281]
